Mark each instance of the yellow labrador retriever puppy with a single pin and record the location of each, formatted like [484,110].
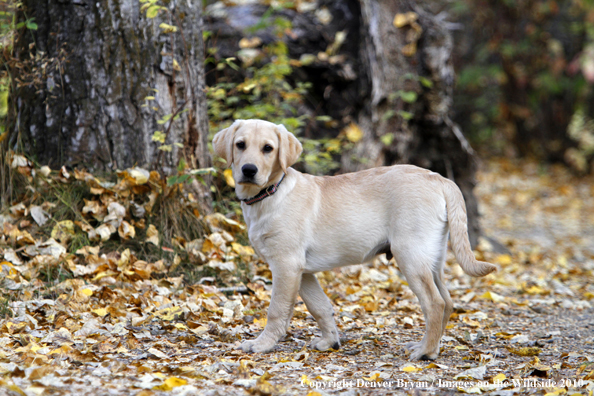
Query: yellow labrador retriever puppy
[302,224]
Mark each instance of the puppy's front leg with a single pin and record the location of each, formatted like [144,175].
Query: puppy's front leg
[285,284]
[320,307]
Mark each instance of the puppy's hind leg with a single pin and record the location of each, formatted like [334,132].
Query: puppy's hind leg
[445,294]
[417,268]
[319,305]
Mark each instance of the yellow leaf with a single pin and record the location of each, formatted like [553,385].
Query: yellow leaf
[250,42]
[503,259]
[401,20]
[353,132]
[168,28]
[536,290]
[15,389]
[562,261]
[305,380]
[333,146]
[242,250]
[126,230]
[556,392]
[432,366]
[493,297]
[153,11]
[174,382]
[218,222]
[374,377]
[100,311]
[260,322]
[505,335]
[104,274]
[499,378]
[87,292]
[63,349]
[526,351]
[12,270]
[470,322]
[228,173]
[314,393]
[122,349]
[208,246]
[139,175]
[169,314]
[410,369]
[152,235]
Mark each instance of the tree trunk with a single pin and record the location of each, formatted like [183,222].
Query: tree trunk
[84,101]
[406,54]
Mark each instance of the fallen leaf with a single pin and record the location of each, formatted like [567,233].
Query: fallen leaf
[152,235]
[493,296]
[526,351]
[410,369]
[63,231]
[477,373]
[39,215]
[157,353]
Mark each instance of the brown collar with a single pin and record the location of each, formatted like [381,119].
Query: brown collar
[268,191]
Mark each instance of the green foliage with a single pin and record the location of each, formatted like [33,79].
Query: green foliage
[4,87]
[525,73]
[406,96]
[29,24]
[267,92]
[151,7]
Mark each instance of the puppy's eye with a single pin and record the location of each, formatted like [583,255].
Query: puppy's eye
[240,145]
[267,148]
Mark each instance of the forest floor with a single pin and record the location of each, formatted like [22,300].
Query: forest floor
[526,329]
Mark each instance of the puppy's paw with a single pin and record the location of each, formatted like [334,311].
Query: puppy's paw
[257,346]
[418,351]
[321,344]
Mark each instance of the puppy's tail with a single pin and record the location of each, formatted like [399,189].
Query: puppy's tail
[457,220]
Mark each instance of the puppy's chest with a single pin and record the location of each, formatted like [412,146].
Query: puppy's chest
[259,227]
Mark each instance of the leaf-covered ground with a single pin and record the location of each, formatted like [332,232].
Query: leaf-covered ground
[117,325]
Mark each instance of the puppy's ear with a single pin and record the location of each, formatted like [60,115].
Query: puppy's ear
[222,143]
[289,148]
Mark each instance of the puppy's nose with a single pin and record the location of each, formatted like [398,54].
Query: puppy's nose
[249,170]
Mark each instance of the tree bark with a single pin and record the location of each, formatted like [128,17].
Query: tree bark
[96,61]
[423,132]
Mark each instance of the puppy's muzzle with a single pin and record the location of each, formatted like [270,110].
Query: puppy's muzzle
[249,171]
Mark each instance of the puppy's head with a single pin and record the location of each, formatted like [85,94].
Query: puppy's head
[257,150]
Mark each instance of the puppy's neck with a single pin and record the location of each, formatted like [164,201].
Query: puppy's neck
[246,191]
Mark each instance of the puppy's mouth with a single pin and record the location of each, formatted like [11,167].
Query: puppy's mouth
[248,182]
